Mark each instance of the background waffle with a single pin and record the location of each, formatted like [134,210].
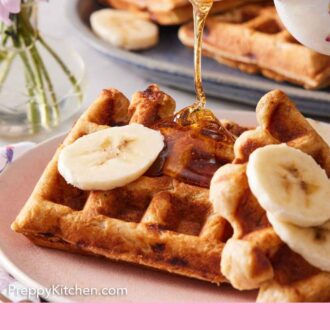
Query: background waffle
[255,257]
[157,222]
[253,39]
[170,12]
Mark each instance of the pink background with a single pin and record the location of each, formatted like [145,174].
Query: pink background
[162,316]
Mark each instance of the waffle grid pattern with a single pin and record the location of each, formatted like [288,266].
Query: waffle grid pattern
[255,257]
[253,39]
[157,222]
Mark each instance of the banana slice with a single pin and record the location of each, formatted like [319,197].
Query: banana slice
[290,184]
[313,244]
[322,129]
[110,158]
[124,29]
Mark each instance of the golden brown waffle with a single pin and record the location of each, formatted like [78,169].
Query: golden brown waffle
[170,12]
[157,222]
[255,257]
[253,39]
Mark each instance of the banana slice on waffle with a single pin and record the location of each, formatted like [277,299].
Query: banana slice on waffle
[294,190]
[313,243]
[280,273]
[110,158]
[290,185]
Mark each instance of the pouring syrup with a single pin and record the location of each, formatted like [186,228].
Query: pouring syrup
[196,142]
[197,112]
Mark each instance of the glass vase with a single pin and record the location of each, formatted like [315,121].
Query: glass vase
[40,78]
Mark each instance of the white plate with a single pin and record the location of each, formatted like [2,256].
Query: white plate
[41,268]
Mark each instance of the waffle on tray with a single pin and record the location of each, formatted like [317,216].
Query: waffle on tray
[255,257]
[170,12]
[253,39]
[157,222]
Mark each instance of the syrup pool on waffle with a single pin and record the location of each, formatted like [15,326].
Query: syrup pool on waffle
[193,153]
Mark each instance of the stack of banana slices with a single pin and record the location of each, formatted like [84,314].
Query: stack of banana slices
[295,192]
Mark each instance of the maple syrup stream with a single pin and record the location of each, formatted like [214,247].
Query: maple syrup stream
[196,142]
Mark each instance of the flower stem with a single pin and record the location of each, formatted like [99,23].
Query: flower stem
[33,111]
[65,69]
[50,86]
[39,86]
[44,106]
[26,33]
[6,67]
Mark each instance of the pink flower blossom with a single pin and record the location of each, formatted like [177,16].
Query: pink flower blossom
[8,7]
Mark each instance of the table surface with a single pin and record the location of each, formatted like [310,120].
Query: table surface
[102,72]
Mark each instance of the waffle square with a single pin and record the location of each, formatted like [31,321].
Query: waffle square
[255,257]
[253,39]
[157,222]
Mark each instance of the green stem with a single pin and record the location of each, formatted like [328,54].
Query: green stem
[4,40]
[39,79]
[65,69]
[3,52]
[49,84]
[36,79]
[32,79]
[33,112]
[27,31]
[45,110]
[6,67]
[4,36]
[57,58]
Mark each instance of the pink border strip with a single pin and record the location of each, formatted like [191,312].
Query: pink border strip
[161,316]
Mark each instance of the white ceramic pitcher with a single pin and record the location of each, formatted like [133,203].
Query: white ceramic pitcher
[308,21]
